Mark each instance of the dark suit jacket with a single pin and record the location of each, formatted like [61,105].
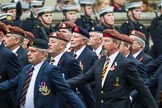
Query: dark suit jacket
[9,68]
[156,80]
[143,57]
[153,65]
[51,75]
[69,66]
[115,94]
[22,56]
[87,58]
[140,67]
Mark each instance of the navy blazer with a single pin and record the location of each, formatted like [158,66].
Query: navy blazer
[9,68]
[22,56]
[140,67]
[87,59]
[144,58]
[153,65]
[69,66]
[52,77]
[155,81]
[118,84]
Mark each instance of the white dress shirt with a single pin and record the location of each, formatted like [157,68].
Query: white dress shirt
[29,103]
[112,58]
[98,50]
[15,50]
[136,54]
[79,52]
[57,59]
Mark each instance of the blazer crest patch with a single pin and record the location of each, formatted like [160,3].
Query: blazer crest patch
[116,84]
[113,67]
[43,89]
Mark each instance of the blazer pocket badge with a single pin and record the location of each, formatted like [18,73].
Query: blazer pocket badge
[116,82]
[81,65]
[43,89]
[112,68]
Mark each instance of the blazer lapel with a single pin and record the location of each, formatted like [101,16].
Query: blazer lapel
[113,67]
[61,61]
[38,78]
[23,78]
[100,69]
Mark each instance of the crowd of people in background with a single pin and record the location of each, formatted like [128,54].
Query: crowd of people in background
[80,62]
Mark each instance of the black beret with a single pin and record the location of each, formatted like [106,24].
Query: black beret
[38,43]
[80,30]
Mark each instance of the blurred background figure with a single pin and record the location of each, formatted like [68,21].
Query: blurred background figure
[118,5]
[146,6]
[87,12]
[60,3]
[156,33]
[9,8]
[134,16]
[102,3]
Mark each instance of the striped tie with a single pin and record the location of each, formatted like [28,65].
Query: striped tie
[26,85]
[105,68]
[52,60]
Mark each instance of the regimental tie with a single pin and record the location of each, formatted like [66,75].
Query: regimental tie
[105,68]
[26,85]
[52,60]
[74,55]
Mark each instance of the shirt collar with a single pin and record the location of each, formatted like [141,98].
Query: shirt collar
[98,50]
[58,57]
[136,54]
[38,65]
[80,51]
[15,50]
[113,56]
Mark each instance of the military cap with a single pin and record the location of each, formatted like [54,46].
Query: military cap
[134,5]
[60,36]
[38,43]
[29,35]
[16,30]
[69,8]
[37,3]
[160,4]
[45,10]
[67,25]
[80,30]
[126,38]
[87,2]
[3,28]
[138,34]
[6,18]
[98,29]
[112,34]
[105,10]
[8,6]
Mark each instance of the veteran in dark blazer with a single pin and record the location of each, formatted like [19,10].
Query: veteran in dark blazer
[114,76]
[38,82]
[9,68]
[13,41]
[155,81]
[59,57]
[125,50]
[86,58]
[138,47]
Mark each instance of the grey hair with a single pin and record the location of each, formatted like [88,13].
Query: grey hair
[139,40]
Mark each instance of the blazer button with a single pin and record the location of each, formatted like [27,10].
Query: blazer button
[0,77]
[102,92]
[102,101]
